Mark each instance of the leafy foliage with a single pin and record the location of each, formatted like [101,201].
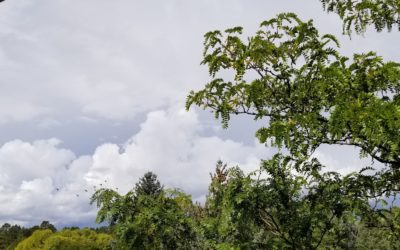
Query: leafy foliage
[11,235]
[84,239]
[148,217]
[220,227]
[310,94]
[362,13]
[384,235]
[279,208]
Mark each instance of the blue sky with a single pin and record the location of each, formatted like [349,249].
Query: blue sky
[93,92]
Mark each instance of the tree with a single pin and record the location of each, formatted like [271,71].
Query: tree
[11,235]
[309,95]
[225,226]
[277,208]
[382,234]
[116,208]
[148,185]
[362,13]
[148,217]
[47,225]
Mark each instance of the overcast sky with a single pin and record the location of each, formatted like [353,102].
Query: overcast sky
[92,92]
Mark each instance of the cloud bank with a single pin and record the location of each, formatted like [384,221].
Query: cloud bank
[41,180]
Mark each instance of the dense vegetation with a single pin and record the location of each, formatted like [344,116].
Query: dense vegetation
[241,212]
[45,236]
[11,235]
[309,95]
[84,239]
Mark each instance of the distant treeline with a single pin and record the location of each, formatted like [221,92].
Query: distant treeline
[12,235]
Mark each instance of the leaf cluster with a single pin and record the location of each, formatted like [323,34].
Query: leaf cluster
[359,14]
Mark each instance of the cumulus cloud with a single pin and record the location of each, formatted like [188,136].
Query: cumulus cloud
[41,180]
[44,181]
[170,145]
[23,161]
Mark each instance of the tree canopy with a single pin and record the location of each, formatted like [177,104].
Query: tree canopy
[310,94]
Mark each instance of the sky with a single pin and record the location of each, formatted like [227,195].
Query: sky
[92,94]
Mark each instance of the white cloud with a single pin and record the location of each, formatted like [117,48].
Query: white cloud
[343,159]
[42,180]
[22,161]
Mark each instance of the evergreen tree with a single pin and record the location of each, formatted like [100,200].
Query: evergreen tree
[148,185]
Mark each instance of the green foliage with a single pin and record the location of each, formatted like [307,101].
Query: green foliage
[304,209]
[84,239]
[223,226]
[36,241]
[274,208]
[10,236]
[148,185]
[47,225]
[384,235]
[113,207]
[310,94]
[359,14]
[148,217]
[159,224]
[278,207]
